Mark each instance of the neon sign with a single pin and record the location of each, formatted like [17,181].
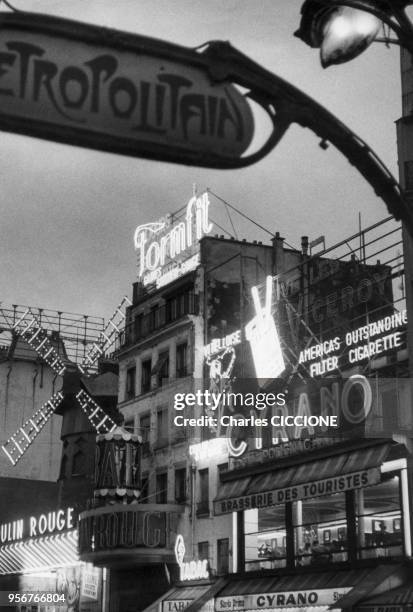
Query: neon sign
[189,570]
[365,342]
[37,526]
[262,335]
[162,244]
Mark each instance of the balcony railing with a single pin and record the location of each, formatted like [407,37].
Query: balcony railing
[144,325]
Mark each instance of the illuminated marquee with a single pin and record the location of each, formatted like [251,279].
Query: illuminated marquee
[189,570]
[165,249]
[365,342]
[35,526]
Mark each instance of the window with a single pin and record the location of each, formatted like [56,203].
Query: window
[162,427]
[203,504]
[181,360]
[162,488]
[223,556]
[138,327]
[265,538]
[379,519]
[78,464]
[130,382]
[145,430]
[180,485]
[145,489]
[162,368]
[321,535]
[203,551]
[146,376]
[154,318]
[129,425]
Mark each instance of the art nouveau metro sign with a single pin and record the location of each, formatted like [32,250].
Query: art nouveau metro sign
[100,88]
[95,87]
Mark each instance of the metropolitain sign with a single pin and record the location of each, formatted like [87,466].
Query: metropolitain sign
[96,87]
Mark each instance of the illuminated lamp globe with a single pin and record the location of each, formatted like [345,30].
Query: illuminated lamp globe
[346,33]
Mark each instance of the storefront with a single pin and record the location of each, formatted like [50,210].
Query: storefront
[40,567]
[347,503]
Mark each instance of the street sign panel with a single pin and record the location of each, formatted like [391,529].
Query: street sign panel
[96,87]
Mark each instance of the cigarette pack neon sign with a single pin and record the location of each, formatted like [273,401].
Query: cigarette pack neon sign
[164,248]
[189,570]
[261,333]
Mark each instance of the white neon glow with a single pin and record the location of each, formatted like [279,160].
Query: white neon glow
[99,419]
[39,554]
[106,337]
[30,332]
[262,335]
[189,570]
[219,344]
[209,449]
[19,442]
[153,254]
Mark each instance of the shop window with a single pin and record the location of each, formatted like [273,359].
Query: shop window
[162,488]
[146,376]
[180,485]
[181,360]
[203,551]
[78,464]
[203,503]
[379,519]
[265,538]
[223,556]
[321,530]
[144,430]
[130,382]
[162,427]
[145,489]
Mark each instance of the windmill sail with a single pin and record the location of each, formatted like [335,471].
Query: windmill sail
[98,418]
[29,328]
[107,337]
[19,442]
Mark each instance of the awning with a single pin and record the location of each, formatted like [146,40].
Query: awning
[191,598]
[43,553]
[318,590]
[383,577]
[333,474]
[396,599]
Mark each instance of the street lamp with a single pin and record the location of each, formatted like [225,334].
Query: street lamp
[342,30]
[345,28]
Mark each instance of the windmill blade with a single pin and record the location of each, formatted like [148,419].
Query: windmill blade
[29,328]
[107,337]
[19,442]
[101,421]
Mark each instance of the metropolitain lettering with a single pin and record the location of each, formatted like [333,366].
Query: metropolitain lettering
[166,101]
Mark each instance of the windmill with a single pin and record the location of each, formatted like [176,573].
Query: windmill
[28,327]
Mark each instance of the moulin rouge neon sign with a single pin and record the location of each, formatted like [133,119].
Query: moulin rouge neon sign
[164,249]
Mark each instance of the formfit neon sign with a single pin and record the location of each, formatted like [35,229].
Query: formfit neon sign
[157,246]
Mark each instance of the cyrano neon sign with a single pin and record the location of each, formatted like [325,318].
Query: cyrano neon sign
[158,246]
